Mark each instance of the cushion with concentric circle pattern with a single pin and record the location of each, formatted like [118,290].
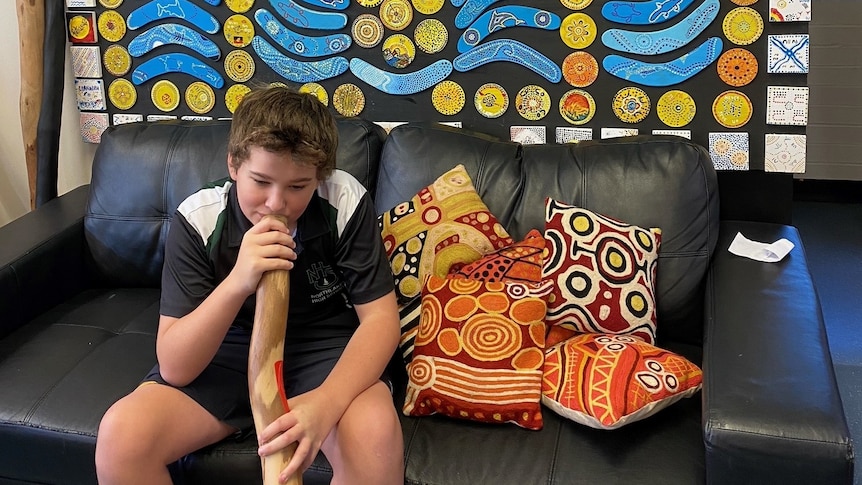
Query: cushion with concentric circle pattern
[604,272]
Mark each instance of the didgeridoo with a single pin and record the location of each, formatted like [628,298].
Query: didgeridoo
[266,354]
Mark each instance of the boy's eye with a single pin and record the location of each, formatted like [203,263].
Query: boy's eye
[260,182]
[296,187]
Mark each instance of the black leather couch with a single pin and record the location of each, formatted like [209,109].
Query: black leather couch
[79,303]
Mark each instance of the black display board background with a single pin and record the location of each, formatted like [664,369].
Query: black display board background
[703,87]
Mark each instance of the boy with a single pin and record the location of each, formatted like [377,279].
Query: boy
[342,325]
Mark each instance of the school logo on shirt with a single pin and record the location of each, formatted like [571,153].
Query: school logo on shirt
[323,279]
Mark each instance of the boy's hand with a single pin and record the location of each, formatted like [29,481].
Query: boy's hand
[266,246]
[308,423]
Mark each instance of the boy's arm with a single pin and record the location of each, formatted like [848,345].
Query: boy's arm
[313,415]
[186,345]
[367,354]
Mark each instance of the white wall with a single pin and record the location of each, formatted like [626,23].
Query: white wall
[76,156]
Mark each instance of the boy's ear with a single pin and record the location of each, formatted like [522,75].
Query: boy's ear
[230,170]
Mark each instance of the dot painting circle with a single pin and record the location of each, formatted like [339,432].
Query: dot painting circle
[367,30]
[165,95]
[577,107]
[396,14]
[369,3]
[239,65]
[122,93]
[631,104]
[576,4]
[578,30]
[580,69]
[117,60]
[200,97]
[737,67]
[491,100]
[112,25]
[448,97]
[742,25]
[348,99]
[431,36]
[675,108]
[234,95]
[238,30]
[398,51]
[533,102]
[111,3]
[428,7]
[745,3]
[317,90]
[732,109]
[239,6]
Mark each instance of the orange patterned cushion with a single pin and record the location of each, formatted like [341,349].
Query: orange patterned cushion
[604,271]
[608,381]
[521,261]
[479,351]
[443,225]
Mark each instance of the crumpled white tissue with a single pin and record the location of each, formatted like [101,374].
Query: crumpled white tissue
[758,251]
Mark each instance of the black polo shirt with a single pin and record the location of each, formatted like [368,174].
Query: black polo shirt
[341,260]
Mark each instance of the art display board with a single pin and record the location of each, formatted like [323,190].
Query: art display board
[730,75]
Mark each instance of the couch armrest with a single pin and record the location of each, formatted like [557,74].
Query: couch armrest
[772,411]
[42,259]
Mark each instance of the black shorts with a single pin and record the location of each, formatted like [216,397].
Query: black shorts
[222,388]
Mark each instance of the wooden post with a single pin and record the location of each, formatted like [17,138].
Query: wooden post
[266,354]
[31,35]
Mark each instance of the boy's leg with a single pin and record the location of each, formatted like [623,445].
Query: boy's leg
[148,429]
[366,445]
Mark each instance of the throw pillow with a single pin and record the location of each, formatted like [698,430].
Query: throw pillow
[520,261]
[606,381]
[479,352]
[444,224]
[604,271]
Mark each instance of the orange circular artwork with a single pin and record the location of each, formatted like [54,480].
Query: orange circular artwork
[580,69]
[737,67]
[577,107]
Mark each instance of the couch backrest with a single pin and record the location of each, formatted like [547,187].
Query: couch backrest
[651,181]
[142,171]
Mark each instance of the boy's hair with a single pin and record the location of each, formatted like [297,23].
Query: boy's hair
[281,120]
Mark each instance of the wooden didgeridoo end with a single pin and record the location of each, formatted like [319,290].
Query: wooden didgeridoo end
[266,353]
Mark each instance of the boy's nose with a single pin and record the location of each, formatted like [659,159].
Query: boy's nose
[275,201]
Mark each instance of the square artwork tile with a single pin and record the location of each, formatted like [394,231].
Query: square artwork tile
[81,27]
[571,134]
[789,10]
[90,94]
[528,135]
[86,61]
[787,54]
[388,125]
[682,133]
[784,153]
[122,118]
[787,105]
[92,126]
[617,132]
[729,150]
[161,117]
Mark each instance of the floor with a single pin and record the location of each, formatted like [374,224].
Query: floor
[829,218]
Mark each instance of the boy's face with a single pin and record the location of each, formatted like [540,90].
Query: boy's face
[271,183]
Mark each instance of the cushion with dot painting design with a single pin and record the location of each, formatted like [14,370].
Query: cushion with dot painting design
[443,225]
[479,352]
[604,272]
